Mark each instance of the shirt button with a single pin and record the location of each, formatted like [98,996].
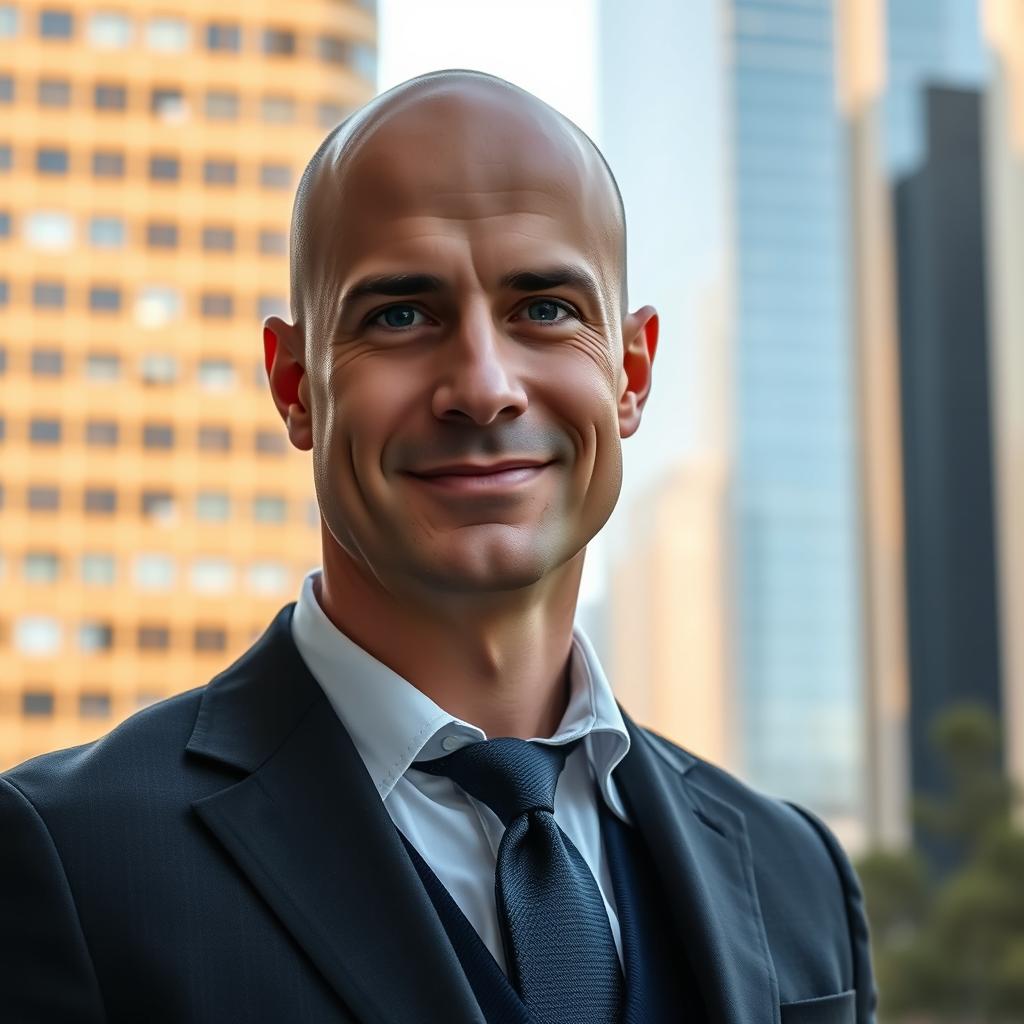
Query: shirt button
[451,743]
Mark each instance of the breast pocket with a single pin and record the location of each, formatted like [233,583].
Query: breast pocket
[837,1009]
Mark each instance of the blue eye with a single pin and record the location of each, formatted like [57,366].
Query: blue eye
[398,316]
[546,311]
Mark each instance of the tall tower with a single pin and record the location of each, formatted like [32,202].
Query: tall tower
[1004,158]
[800,669]
[153,515]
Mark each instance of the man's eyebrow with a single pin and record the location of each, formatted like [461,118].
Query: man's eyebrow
[395,285]
[542,279]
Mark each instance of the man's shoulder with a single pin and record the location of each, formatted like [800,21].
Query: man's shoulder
[772,823]
[142,755]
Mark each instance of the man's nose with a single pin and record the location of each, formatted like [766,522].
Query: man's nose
[479,381]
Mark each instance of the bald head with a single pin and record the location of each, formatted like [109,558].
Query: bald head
[449,136]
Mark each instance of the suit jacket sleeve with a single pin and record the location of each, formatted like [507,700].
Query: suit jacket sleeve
[46,973]
[863,976]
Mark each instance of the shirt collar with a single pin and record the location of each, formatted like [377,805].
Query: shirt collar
[392,723]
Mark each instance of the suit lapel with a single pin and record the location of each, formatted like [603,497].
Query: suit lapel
[700,846]
[308,829]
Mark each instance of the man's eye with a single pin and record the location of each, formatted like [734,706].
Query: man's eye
[547,311]
[398,316]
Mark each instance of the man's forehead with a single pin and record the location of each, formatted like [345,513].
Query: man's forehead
[459,148]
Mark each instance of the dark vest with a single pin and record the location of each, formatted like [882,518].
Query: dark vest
[659,983]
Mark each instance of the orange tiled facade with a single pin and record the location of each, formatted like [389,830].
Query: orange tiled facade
[152,514]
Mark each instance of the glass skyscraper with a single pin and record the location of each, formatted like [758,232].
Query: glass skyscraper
[795,514]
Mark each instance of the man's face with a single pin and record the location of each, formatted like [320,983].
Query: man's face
[466,365]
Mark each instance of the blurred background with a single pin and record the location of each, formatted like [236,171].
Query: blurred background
[816,568]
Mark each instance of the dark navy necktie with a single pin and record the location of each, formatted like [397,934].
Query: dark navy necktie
[558,942]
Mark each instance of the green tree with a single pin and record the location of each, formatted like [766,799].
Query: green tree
[952,950]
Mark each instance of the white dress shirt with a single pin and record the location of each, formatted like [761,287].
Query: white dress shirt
[393,724]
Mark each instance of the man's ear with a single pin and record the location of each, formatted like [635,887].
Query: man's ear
[639,343]
[284,358]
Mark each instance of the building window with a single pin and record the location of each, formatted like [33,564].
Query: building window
[270,442]
[167,35]
[41,567]
[51,160]
[269,508]
[329,113]
[159,368]
[216,374]
[210,638]
[154,572]
[102,366]
[218,239]
[109,30]
[94,705]
[157,305]
[164,168]
[107,163]
[157,435]
[5,224]
[47,362]
[3,361]
[271,305]
[216,304]
[43,498]
[153,638]
[273,242]
[8,20]
[267,577]
[49,229]
[279,42]
[55,24]
[223,36]
[54,92]
[212,575]
[333,49]
[277,109]
[168,104]
[37,635]
[158,506]
[6,157]
[275,176]
[102,433]
[160,235]
[6,89]
[109,97]
[364,61]
[37,704]
[213,507]
[95,636]
[48,294]
[220,172]
[221,105]
[44,431]
[106,232]
[104,299]
[5,292]
[214,439]
[97,569]
[100,500]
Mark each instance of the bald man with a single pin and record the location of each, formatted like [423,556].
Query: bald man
[415,800]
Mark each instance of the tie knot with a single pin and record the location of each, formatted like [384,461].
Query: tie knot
[510,775]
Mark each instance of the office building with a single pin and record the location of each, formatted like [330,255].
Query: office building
[153,515]
[952,589]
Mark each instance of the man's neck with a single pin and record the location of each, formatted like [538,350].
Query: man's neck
[499,664]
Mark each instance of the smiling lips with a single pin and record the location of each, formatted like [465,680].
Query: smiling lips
[472,478]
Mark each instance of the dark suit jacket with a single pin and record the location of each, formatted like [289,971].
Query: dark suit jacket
[223,857]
